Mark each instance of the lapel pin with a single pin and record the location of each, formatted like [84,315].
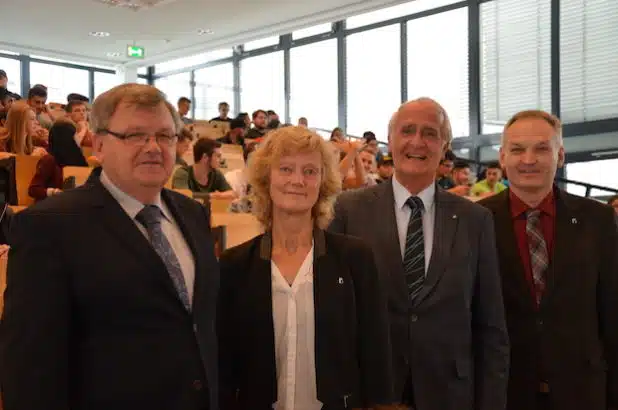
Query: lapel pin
[574,220]
[340,281]
[454,216]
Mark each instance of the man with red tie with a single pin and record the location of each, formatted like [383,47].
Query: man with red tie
[559,265]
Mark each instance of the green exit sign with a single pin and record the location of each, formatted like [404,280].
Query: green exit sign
[136,52]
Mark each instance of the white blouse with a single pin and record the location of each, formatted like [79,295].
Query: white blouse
[294,319]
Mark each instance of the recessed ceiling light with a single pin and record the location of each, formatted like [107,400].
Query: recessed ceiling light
[202,31]
[99,34]
[114,54]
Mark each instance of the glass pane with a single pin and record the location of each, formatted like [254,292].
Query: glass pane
[141,80]
[60,81]
[314,84]
[373,80]
[213,85]
[588,60]
[261,84]
[515,59]
[602,173]
[312,31]
[399,10]
[104,82]
[264,42]
[142,70]
[13,72]
[191,61]
[445,78]
[175,86]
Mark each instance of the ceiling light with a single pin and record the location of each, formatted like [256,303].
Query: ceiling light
[99,34]
[114,54]
[202,31]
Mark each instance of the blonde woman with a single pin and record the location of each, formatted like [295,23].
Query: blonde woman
[302,318]
[20,125]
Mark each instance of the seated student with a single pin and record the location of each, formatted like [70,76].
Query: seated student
[63,151]
[182,146]
[236,134]
[224,110]
[491,184]
[77,111]
[204,178]
[17,138]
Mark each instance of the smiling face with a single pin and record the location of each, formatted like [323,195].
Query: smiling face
[530,154]
[417,142]
[295,183]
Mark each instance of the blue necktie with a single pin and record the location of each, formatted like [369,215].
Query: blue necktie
[150,217]
[414,255]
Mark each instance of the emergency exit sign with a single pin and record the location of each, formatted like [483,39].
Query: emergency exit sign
[136,52]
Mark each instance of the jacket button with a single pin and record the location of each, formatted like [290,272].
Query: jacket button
[194,328]
[414,318]
[197,385]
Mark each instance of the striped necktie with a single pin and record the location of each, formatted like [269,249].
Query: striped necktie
[414,255]
[539,257]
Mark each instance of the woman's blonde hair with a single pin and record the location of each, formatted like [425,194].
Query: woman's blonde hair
[290,141]
[19,141]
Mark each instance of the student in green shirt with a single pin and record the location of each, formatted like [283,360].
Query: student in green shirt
[491,184]
[203,178]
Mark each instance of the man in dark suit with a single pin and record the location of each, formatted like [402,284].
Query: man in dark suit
[436,256]
[559,264]
[112,286]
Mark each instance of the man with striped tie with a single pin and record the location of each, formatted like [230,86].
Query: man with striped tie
[559,264]
[437,258]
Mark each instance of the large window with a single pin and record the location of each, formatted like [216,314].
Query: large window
[515,59]
[213,85]
[438,64]
[312,31]
[191,61]
[373,80]
[175,86]
[404,9]
[261,83]
[313,83]
[104,82]
[263,42]
[60,81]
[13,72]
[588,60]
[602,173]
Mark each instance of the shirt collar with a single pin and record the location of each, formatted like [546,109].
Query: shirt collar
[131,205]
[427,195]
[519,207]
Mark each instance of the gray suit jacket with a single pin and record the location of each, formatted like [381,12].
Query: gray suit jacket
[453,339]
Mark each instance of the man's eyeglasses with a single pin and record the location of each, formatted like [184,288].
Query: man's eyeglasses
[142,138]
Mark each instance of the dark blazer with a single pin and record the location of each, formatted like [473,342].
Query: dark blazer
[574,333]
[91,318]
[453,339]
[351,347]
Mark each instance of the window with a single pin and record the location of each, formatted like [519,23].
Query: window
[142,70]
[104,82]
[265,42]
[588,60]
[438,64]
[191,61]
[175,86]
[312,31]
[399,10]
[60,81]
[515,59]
[602,173]
[13,72]
[213,85]
[314,68]
[261,84]
[373,80]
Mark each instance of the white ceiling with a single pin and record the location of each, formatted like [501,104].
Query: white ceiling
[59,28]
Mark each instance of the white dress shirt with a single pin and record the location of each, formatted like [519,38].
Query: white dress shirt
[170,229]
[294,320]
[403,212]
[237,179]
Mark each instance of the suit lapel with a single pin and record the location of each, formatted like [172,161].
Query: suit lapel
[388,240]
[512,268]
[445,230]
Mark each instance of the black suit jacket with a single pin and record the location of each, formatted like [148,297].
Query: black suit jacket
[91,317]
[574,333]
[351,347]
[453,340]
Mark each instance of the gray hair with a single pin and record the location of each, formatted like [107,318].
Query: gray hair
[446,132]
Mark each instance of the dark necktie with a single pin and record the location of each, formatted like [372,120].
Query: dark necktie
[150,217]
[414,254]
[539,257]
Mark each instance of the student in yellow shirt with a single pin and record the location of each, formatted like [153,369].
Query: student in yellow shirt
[491,184]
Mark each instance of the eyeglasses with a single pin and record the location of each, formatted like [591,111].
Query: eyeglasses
[142,138]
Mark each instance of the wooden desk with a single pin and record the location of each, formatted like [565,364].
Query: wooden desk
[239,227]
